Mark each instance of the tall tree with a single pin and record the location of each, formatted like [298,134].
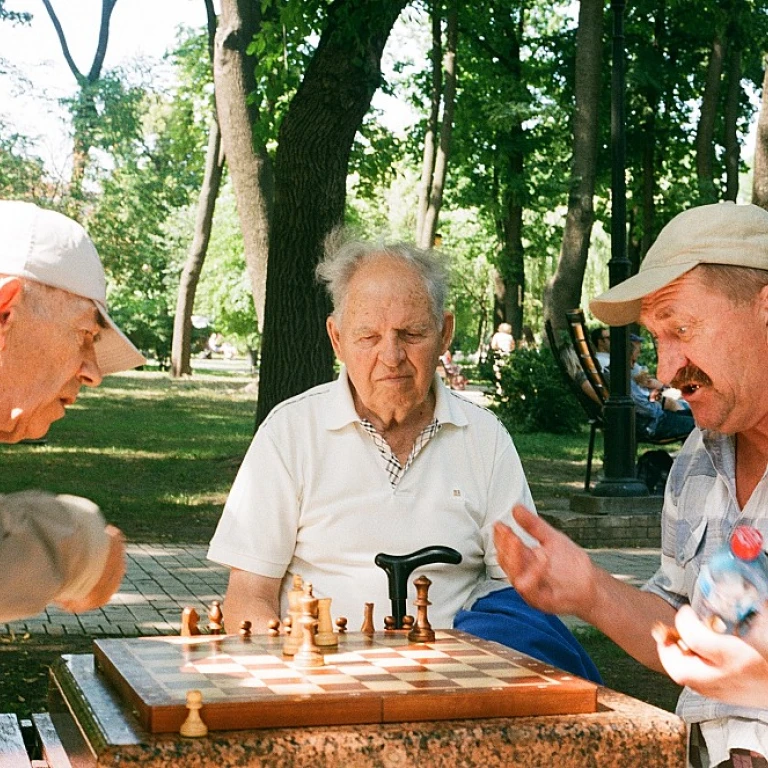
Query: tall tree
[564,290]
[206,204]
[436,153]
[311,163]
[250,165]
[760,171]
[84,112]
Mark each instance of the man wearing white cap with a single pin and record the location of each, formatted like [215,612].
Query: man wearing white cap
[55,336]
[702,292]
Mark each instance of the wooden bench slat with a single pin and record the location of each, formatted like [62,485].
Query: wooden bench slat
[52,750]
[13,753]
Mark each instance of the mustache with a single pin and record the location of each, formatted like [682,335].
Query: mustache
[690,375]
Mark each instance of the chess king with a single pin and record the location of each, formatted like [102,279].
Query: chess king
[55,337]
[384,459]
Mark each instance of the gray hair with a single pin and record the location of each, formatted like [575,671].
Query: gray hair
[344,257]
[738,284]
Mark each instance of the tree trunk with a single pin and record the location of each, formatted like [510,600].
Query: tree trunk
[428,155]
[705,133]
[511,258]
[760,172]
[190,274]
[249,166]
[564,290]
[311,165]
[731,116]
[429,226]
[85,114]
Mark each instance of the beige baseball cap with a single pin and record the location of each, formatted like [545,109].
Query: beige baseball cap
[52,249]
[721,233]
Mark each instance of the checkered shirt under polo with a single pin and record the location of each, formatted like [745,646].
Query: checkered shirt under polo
[395,470]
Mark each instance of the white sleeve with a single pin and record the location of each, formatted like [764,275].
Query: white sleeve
[52,548]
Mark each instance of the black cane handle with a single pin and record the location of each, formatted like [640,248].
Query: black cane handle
[399,567]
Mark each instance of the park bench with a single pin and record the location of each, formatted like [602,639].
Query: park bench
[30,743]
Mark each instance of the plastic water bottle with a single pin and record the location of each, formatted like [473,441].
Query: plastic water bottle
[734,583]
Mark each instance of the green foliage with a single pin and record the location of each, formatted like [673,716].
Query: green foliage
[531,395]
[21,173]
[224,293]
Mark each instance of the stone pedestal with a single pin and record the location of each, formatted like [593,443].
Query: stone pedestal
[98,730]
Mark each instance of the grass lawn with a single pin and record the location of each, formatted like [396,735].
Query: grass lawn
[159,457]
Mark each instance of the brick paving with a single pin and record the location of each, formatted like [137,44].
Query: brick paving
[162,579]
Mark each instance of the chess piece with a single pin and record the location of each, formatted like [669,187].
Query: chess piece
[273,627]
[293,621]
[325,637]
[408,622]
[368,628]
[189,619]
[422,632]
[389,623]
[215,618]
[245,629]
[341,623]
[194,727]
[308,654]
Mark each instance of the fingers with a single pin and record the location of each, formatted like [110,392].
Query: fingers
[530,523]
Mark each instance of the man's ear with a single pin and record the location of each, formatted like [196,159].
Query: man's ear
[447,333]
[333,335]
[10,294]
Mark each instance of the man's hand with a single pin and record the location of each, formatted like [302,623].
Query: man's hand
[557,576]
[111,576]
[722,666]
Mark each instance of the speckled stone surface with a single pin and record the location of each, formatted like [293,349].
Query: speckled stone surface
[623,733]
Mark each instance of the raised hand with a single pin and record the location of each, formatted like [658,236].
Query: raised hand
[557,576]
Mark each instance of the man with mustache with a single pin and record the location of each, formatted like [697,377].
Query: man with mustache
[702,292]
[55,337]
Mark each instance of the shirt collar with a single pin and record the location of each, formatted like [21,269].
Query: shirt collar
[341,407]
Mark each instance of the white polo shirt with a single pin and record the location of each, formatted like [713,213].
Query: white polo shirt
[313,498]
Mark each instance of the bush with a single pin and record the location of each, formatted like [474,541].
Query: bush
[531,396]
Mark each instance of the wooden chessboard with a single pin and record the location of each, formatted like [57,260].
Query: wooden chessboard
[384,678]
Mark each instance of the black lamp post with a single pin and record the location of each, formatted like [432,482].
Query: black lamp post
[619,412]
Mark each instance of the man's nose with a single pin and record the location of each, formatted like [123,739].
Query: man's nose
[90,373]
[670,361]
[392,352]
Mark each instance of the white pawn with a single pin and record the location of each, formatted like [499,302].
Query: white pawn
[194,727]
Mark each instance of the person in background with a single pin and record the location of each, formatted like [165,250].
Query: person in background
[503,342]
[601,343]
[384,459]
[702,292]
[55,337]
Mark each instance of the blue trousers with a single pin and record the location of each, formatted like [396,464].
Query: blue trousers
[504,617]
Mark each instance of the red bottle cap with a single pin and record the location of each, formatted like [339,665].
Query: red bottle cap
[746,542]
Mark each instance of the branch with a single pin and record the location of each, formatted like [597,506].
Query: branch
[63,42]
[107,6]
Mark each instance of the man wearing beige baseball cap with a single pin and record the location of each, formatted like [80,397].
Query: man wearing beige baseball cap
[55,337]
[702,292]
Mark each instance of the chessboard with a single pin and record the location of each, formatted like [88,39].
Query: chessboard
[381,678]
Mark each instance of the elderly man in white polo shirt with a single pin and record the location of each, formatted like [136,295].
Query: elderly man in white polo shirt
[55,337]
[385,459]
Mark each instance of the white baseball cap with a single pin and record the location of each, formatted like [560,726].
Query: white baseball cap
[720,233]
[54,250]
